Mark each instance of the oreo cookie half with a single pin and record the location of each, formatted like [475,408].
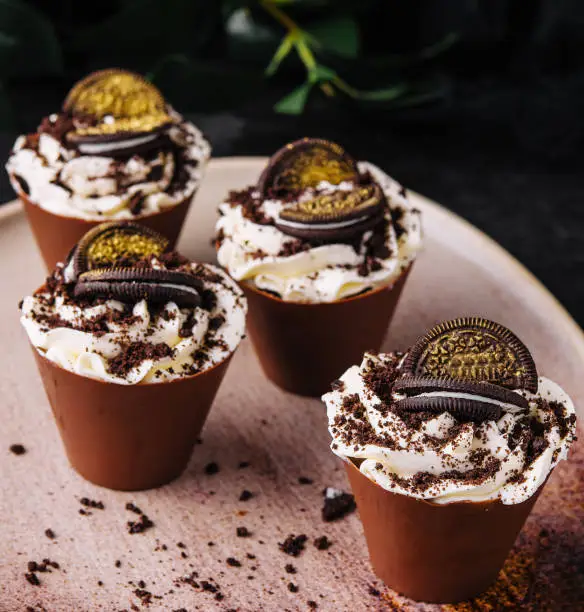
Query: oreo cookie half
[418,385]
[305,163]
[335,216]
[134,284]
[473,349]
[114,244]
[461,409]
[115,112]
[470,400]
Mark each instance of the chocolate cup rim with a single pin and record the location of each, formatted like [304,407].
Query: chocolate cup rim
[251,285]
[484,503]
[135,218]
[141,383]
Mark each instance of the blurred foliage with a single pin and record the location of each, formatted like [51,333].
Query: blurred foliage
[222,54]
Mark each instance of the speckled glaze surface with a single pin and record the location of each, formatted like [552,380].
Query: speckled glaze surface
[283,437]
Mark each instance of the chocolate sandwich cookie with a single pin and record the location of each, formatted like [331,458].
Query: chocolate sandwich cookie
[460,408]
[465,399]
[418,385]
[115,244]
[131,285]
[335,216]
[115,112]
[473,349]
[305,163]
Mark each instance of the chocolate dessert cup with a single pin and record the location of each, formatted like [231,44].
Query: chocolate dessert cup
[302,347]
[436,553]
[116,150]
[129,437]
[55,235]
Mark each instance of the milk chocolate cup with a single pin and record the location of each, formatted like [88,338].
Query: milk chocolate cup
[56,235]
[302,347]
[129,437]
[431,552]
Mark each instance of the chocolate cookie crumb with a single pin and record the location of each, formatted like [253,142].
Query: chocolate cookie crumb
[374,592]
[303,480]
[50,534]
[322,543]
[293,588]
[91,503]
[243,532]
[118,563]
[290,569]
[211,468]
[337,504]
[145,596]
[312,604]
[232,562]
[99,583]
[293,545]
[245,495]
[17,449]
[140,526]
[180,545]
[32,579]
[133,508]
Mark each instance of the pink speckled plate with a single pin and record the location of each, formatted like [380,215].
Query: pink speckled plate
[461,272]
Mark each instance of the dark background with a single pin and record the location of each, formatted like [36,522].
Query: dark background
[489,122]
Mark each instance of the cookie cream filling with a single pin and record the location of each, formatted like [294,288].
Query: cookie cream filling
[438,458]
[137,343]
[336,225]
[97,148]
[83,184]
[260,253]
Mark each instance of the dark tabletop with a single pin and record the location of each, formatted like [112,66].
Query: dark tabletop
[507,156]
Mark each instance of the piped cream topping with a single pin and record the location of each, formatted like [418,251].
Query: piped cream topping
[438,458]
[255,252]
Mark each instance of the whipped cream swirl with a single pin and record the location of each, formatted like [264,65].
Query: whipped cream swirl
[136,343]
[96,187]
[258,252]
[436,457]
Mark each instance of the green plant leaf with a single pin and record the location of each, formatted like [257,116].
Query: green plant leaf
[440,47]
[385,94]
[339,35]
[321,73]
[281,52]
[28,42]
[294,102]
